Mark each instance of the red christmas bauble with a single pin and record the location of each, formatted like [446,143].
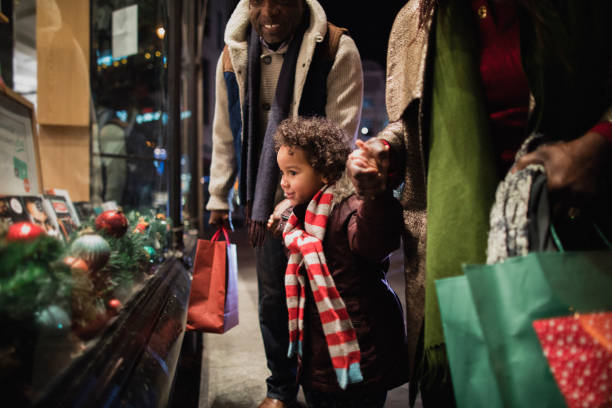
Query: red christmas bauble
[114,304]
[23,231]
[112,222]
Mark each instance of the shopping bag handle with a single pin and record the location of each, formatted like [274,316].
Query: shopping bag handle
[217,235]
[559,244]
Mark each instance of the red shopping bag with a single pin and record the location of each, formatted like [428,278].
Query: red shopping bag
[213,302]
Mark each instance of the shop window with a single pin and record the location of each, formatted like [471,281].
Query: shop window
[129,85]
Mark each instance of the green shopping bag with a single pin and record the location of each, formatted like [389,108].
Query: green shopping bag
[510,295]
[474,383]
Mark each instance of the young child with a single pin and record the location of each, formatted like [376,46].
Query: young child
[345,321]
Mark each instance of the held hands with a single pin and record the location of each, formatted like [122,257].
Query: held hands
[276,224]
[367,167]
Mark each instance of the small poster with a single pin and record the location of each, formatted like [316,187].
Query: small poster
[66,224]
[41,214]
[18,166]
[64,193]
[125,31]
[12,210]
[34,209]
[84,209]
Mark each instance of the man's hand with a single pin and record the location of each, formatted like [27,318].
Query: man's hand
[573,167]
[367,167]
[219,218]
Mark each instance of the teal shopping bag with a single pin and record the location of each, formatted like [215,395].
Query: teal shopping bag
[510,295]
[474,383]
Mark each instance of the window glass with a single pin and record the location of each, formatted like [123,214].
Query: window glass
[129,92]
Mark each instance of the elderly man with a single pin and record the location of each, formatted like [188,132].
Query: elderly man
[282,59]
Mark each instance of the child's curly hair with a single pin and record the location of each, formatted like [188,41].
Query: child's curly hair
[323,142]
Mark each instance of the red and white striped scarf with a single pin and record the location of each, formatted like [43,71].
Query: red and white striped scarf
[305,243]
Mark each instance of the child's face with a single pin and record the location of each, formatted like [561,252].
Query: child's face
[300,181]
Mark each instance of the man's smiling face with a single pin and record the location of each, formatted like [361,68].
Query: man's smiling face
[275,20]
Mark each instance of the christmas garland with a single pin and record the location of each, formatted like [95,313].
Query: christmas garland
[45,282]
[31,278]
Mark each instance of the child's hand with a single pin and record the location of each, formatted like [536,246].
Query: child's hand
[273,223]
[367,167]
[276,224]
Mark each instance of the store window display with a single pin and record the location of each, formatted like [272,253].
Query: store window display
[77,296]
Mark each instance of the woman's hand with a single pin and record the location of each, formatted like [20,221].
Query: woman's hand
[574,167]
[575,171]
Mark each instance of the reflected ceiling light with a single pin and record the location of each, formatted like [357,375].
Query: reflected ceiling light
[161,32]
[158,53]
[147,55]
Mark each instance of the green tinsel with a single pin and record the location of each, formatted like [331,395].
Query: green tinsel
[156,234]
[32,277]
[127,259]
[130,259]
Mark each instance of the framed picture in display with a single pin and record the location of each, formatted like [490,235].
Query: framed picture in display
[20,172]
